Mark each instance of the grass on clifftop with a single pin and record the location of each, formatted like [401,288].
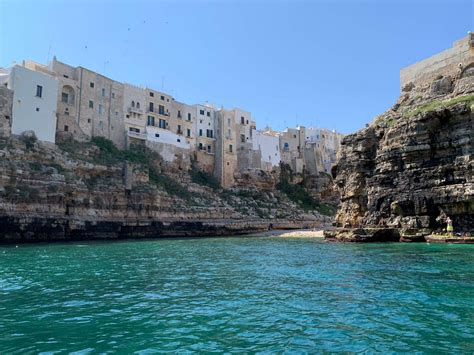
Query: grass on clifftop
[437,104]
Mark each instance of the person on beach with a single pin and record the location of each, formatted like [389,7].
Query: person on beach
[449,226]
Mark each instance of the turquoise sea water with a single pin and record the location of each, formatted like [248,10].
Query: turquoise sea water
[277,294]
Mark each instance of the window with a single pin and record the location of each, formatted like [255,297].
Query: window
[133,129]
[179,129]
[162,124]
[208,148]
[157,135]
[276,148]
[101,124]
[201,112]
[113,95]
[91,84]
[209,133]
[200,146]
[88,120]
[65,97]
[200,121]
[151,121]
[66,128]
[151,107]
[200,133]
[230,148]
[101,109]
[208,114]
[178,140]
[103,92]
[66,113]
[39,91]
[133,103]
[116,113]
[152,94]
[286,146]
[294,135]
[37,109]
[91,104]
[229,133]
[161,109]
[162,97]
[138,104]
[179,114]
[242,138]
[67,77]
[189,117]
[128,116]
[228,121]
[242,120]
[188,133]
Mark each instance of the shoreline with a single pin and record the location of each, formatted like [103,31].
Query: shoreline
[294,233]
[17,230]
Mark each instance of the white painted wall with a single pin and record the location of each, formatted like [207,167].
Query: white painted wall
[31,113]
[203,121]
[268,145]
[166,137]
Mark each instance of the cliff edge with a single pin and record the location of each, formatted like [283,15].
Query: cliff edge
[412,167]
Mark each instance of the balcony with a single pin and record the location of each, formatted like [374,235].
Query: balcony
[157,113]
[135,110]
[136,135]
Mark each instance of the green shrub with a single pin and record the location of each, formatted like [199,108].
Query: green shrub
[299,194]
[436,104]
[35,166]
[169,185]
[203,178]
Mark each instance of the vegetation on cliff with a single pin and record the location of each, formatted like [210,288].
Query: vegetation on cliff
[71,187]
[298,192]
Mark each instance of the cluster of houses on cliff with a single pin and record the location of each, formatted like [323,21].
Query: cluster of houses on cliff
[59,101]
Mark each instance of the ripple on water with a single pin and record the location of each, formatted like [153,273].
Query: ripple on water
[236,294]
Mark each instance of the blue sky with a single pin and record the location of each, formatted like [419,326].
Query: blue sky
[332,64]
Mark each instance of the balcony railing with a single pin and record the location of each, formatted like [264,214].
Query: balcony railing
[135,110]
[136,135]
[157,113]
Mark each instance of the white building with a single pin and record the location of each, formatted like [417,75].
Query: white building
[34,102]
[268,143]
[165,136]
[205,128]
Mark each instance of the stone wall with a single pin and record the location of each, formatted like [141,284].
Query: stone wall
[450,62]
[6,99]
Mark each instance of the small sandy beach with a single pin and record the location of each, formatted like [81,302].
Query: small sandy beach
[317,233]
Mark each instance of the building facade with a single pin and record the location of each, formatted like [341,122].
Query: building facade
[267,142]
[34,102]
[78,103]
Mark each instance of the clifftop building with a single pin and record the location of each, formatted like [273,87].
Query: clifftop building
[78,103]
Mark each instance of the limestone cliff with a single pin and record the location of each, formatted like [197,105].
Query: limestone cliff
[93,190]
[413,165]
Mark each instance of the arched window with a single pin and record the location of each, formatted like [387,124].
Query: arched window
[67,95]
[133,103]
[138,104]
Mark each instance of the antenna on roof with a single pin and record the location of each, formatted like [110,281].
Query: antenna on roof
[49,51]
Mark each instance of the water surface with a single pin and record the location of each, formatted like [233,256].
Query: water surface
[236,294]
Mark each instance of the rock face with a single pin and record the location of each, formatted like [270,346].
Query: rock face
[413,166]
[407,175]
[82,191]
